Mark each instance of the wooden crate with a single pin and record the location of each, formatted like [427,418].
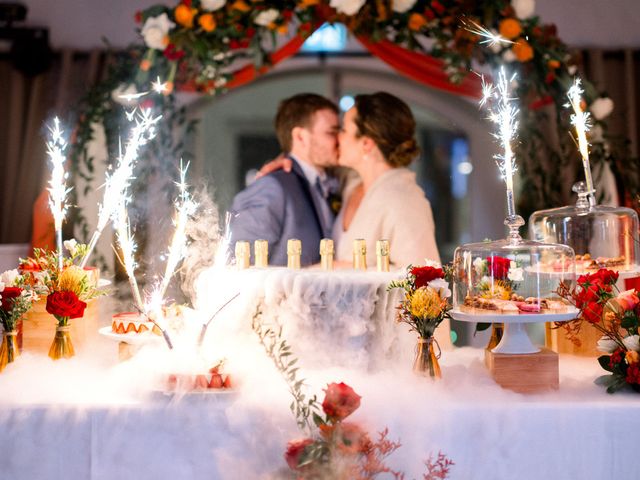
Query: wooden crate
[556,340]
[526,372]
[39,327]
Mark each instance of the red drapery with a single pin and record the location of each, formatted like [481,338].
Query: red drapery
[422,68]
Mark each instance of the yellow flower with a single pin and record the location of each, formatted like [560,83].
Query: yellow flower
[522,50]
[426,303]
[499,290]
[184,15]
[510,28]
[207,22]
[73,279]
[632,357]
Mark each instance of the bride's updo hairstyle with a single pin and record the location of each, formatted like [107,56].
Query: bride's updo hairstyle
[388,121]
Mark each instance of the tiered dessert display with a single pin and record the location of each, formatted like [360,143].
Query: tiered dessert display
[511,281]
[601,236]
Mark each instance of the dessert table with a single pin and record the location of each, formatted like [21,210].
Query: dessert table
[94,418]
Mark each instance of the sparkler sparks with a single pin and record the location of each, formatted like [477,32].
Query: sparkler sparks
[178,248]
[117,183]
[490,38]
[159,86]
[581,120]
[504,113]
[57,189]
[128,249]
[221,259]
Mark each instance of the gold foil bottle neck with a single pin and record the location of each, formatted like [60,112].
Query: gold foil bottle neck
[326,254]
[382,255]
[243,253]
[294,250]
[261,253]
[359,254]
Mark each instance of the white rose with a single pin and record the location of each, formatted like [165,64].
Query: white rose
[516,274]
[155,29]
[478,265]
[606,345]
[1,288]
[601,108]
[8,278]
[212,5]
[432,263]
[71,246]
[509,56]
[402,6]
[523,8]
[441,286]
[632,342]
[266,17]
[348,7]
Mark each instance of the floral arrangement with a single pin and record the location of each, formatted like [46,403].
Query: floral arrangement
[15,299]
[332,448]
[497,276]
[200,44]
[616,315]
[425,303]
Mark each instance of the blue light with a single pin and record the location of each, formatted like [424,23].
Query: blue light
[328,38]
[346,102]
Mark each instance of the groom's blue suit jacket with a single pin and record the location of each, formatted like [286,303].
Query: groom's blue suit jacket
[277,207]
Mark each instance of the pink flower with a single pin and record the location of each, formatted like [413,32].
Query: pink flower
[628,300]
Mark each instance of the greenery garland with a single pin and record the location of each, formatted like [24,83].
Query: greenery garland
[201,45]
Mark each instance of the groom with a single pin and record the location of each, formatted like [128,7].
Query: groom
[294,204]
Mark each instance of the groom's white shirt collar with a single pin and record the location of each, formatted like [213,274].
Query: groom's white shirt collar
[310,172]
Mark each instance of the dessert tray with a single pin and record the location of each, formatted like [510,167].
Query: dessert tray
[131,338]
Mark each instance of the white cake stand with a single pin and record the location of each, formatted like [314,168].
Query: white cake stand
[515,338]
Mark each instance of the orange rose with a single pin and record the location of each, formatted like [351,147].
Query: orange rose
[553,64]
[207,22]
[510,28]
[522,50]
[350,438]
[283,29]
[241,6]
[168,88]
[632,357]
[416,22]
[308,3]
[184,15]
[145,65]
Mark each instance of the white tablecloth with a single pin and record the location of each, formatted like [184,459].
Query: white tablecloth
[92,419]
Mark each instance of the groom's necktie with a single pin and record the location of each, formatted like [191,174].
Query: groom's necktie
[323,188]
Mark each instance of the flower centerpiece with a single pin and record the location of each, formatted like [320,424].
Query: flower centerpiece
[15,301]
[616,315]
[67,290]
[423,308]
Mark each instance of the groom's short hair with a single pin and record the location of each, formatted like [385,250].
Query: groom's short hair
[297,111]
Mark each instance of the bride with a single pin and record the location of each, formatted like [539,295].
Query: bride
[377,140]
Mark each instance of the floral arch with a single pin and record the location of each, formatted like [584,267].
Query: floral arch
[212,46]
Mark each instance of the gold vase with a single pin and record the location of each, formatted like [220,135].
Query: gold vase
[426,362]
[9,349]
[62,346]
[497,329]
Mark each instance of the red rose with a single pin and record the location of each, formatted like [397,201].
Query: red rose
[138,17]
[588,293]
[425,274]
[8,296]
[295,450]
[438,7]
[172,53]
[616,357]
[633,374]
[608,277]
[340,401]
[592,313]
[498,267]
[65,304]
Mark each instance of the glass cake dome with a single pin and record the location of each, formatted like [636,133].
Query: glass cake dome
[511,276]
[601,236]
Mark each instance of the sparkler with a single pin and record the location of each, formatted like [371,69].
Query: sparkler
[178,248]
[490,38]
[128,248]
[203,332]
[221,258]
[153,311]
[503,112]
[117,183]
[57,188]
[582,122]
